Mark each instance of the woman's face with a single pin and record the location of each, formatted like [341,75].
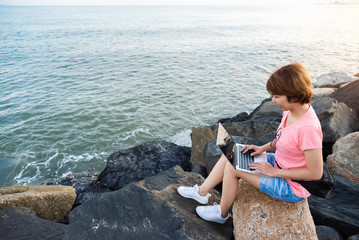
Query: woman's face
[282,102]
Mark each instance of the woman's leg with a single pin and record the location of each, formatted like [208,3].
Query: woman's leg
[215,176]
[230,186]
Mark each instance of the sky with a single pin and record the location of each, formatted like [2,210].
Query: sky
[163,2]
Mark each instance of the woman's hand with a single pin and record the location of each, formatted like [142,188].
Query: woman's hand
[256,150]
[263,168]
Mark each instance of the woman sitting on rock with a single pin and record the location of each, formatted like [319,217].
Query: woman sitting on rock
[298,145]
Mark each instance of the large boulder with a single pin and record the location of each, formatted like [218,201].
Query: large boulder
[268,111]
[148,159]
[348,94]
[259,216]
[200,137]
[149,209]
[337,121]
[334,79]
[21,223]
[340,210]
[345,158]
[49,202]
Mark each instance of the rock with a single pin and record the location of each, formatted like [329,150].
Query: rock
[327,233]
[268,111]
[340,210]
[49,202]
[13,190]
[91,191]
[149,209]
[337,121]
[148,159]
[322,92]
[345,158]
[81,182]
[200,137]
[238,118]
[354,237]
[259,216]
[348,94]
[334,79]
[19,223]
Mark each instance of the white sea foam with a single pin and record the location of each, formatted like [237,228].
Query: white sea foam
[34,171]
[65,174]
[183,138]
[51,158]
[21,179]
[134,133]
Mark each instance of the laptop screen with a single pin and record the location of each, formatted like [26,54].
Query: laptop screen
[225,142]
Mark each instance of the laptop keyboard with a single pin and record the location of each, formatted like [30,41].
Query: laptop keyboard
[244,159]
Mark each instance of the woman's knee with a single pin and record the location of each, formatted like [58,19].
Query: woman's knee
[223,158]
[228,169]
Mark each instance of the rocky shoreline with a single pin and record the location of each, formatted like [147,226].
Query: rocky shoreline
[135,197]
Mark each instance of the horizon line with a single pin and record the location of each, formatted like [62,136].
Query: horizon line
[161,5]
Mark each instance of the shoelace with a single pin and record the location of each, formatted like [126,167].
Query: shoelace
[213,209]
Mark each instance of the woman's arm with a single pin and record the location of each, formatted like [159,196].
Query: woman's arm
[313,171]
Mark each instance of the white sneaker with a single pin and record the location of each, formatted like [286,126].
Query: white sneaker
[192,192]
[212,213]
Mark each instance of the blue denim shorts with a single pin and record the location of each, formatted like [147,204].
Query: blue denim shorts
[277,187]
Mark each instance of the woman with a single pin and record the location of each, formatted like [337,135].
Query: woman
[298,156]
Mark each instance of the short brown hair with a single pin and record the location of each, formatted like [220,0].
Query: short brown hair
[293,81]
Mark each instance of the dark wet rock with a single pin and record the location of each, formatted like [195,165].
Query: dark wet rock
[91,191]
[337,121]
[354,237]
[238,118]
[148,159]
[340,210]
[327,233]
[22,223]
[149,209]
[268,111]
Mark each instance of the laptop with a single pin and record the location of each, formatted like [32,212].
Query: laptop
[233,152]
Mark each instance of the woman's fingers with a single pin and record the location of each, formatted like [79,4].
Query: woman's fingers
[248,147]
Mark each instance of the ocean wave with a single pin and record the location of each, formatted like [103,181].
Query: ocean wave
[56,165]
[134,133]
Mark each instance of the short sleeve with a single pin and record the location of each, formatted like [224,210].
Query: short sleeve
[310,137]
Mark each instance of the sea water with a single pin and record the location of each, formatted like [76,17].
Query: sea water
[79,83]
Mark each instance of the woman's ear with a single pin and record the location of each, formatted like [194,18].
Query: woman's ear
[293,99]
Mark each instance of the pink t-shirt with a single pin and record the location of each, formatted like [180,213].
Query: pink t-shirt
[304,134]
